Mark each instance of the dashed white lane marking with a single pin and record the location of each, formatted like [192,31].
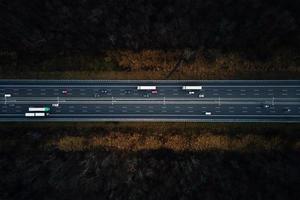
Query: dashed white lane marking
[229,93]
[244,111]
[175,94]
[111,111]
[177,111]
[215,94]
[256,94]
[230,107]
[270,94]
[228,90]
[244,107]
[243,94]
[284,94]
[203,107]
[137,111]
[258,111]
[190,111]
[218,111]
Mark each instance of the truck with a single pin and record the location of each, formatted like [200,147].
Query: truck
[38,114]
[146,87]
[192,87]
[39,109]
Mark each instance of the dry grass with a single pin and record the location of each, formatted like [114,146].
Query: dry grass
[204,142]
[156,64]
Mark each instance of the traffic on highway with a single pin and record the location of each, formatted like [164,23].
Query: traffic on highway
[199,101]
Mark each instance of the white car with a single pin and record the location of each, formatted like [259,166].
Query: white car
[55,105]
[207,113]
[201,95]
[191,92]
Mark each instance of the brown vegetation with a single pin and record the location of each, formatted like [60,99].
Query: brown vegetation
[156,64]
[178,143]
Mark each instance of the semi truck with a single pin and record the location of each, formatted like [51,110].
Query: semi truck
[146,87]
[192,87]
[38,114]
[39,109]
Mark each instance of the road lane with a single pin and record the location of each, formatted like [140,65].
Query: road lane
[227,101]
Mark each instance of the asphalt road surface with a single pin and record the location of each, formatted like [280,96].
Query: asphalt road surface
[217,101]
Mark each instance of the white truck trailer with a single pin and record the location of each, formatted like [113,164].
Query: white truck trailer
[39,114]
[146,87]
[39,109]
[192,87]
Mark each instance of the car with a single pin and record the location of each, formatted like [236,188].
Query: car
[55,105]
[207,113]
[104,91]
[154,91]
[64,92]
[267,106]
[287,110]
[201,95]
[146,95]
[127,91]
[191,92]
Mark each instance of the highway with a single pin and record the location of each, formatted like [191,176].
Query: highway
[111,100]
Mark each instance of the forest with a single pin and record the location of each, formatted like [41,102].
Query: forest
[149,39]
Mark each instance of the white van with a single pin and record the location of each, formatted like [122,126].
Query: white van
[207,113]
